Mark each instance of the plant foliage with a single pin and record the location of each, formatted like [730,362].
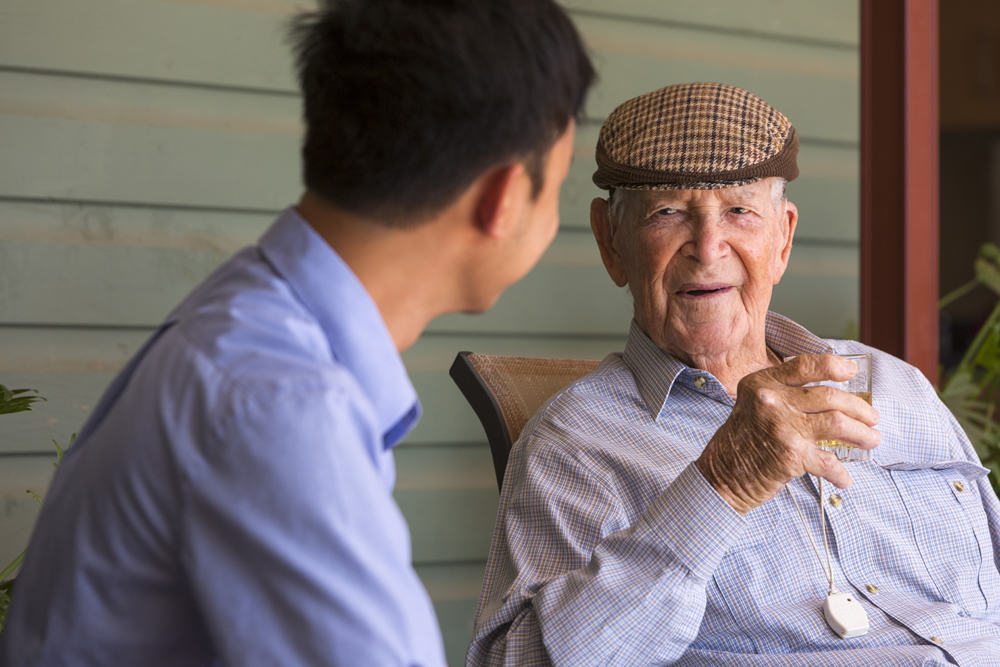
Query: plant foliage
[11,401]
[17,400]
[971,390]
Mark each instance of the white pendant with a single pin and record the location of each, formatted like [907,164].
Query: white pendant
[845,615]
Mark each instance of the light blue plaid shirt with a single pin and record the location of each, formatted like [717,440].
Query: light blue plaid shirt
[611,549]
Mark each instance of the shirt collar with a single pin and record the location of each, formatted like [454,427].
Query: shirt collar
[656,371]
[352,323]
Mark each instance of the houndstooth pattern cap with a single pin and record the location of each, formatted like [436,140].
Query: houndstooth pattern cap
[694,136]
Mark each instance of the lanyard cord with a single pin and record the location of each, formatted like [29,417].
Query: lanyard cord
[828,569]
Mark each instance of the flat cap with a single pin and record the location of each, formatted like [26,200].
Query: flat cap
[694,136]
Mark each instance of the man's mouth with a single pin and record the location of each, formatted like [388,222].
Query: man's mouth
[701,291]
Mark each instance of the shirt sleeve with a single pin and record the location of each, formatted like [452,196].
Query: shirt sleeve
[572,581]
[294,548]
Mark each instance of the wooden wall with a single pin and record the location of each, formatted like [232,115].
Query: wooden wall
[144,141]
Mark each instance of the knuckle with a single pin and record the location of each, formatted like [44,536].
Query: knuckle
[827,461]
[815,361]
[827,363]
[766,396]
[839,421]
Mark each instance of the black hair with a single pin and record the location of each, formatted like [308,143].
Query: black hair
[406,102]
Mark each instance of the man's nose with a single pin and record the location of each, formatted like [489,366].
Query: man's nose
[708,241]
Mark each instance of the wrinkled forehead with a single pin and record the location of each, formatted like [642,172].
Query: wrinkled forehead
[761,192]
[760,189]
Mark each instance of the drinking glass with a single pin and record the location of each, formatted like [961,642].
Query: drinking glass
[859,385]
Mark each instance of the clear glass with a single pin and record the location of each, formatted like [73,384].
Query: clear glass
[859,385]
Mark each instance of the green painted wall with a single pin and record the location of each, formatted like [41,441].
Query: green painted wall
[144,141]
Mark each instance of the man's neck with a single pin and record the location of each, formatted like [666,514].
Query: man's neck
[733,366]
[406,270]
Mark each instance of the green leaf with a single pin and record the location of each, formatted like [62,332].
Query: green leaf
[60,450]
[988,273]
[17,400]
[8,572]
[990,251]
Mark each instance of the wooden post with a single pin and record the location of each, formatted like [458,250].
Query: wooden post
[899,179]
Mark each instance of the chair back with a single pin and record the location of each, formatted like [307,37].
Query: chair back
[505,391]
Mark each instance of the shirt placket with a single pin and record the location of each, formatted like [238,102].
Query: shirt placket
[860,571]
[966,496]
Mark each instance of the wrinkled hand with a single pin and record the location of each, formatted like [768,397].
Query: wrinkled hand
[770,438]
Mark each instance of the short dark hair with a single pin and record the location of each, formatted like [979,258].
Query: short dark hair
[406,102]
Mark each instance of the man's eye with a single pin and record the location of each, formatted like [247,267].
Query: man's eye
[739,210]
[666,211]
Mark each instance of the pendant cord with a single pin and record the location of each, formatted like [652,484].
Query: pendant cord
[828,568]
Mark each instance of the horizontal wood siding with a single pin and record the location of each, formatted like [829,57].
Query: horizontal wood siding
[145,142]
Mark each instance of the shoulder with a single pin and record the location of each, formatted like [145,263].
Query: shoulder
[589,428]
[590,406]
[257,339]
[246,314]
[255,355]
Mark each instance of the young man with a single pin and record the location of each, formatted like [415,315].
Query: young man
[229,500]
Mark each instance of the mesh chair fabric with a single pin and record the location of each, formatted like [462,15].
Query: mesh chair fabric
[521,385]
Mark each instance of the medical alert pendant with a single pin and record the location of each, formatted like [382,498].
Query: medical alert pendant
[845,615]
[842,611]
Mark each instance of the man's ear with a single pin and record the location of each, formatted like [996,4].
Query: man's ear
[600,224]
[495,202]
[788,223]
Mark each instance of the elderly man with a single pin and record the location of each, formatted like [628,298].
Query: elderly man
[670,506]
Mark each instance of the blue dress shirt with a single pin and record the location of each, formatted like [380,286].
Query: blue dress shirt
[611,548]
[229,500]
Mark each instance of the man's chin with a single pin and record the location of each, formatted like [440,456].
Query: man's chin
[480,306]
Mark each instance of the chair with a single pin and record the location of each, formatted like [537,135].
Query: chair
[506,391]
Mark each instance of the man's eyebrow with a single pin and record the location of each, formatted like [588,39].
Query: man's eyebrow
[744,196]
[661,199]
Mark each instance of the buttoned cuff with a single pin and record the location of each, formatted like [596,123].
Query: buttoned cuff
[696,523]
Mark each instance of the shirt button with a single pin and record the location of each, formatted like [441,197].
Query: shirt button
[959,486]
[936,639]
[836,500]
[872,588]
[699,382]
